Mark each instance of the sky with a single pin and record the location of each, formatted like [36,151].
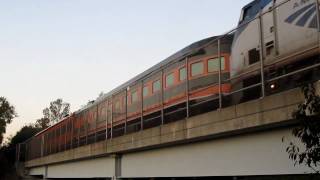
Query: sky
[75,49]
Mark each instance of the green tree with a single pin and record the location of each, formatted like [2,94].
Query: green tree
[7,113]
[308,131]
[42,123]
[56,111]
[8,151]
[25,133]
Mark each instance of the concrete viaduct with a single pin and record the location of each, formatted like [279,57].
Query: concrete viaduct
[240,140]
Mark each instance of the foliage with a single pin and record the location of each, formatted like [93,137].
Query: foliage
[42,123]
[8,151]
[7,113]
[308,131]
[56,111]
[24,134]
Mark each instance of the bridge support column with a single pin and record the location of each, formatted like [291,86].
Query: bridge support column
[45,175]
[117,168]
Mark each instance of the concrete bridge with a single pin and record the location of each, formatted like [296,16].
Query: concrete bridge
[240,140]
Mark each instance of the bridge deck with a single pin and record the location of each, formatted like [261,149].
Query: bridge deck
[269,112]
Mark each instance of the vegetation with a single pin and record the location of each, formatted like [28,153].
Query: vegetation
[55,112]
[308,131]
[7,113]
[42,123]
[8,151]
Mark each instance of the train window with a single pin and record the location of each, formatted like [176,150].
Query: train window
[169,80]
[213,64]
[182,74]
[134,96]
[250,11]
[58,132]
[254,56]
[156,86]
[63,129]
[117,104]
[197,68]
[69,126]
[246,13]
[145,91]
[264,3]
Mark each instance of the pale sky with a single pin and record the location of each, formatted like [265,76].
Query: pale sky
[74,49]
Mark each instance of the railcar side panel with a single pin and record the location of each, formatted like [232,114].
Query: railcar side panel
[153,99]
[297,27]
[119,108]
[102,115]
[134,101]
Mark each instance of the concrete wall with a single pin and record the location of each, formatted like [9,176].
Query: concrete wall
[260,153]
[37,171]
[255,154]
[94,168]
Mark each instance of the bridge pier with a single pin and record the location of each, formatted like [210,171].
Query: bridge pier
[45,175]
[117,159]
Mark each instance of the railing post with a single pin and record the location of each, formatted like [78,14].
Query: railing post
[86,120]
[65,134]
[261,55]
[49,144]
[56,141]
[18,153]
[42,146]
[107,110]
[142,87]
[59,140]
[162,98]
[220,84]
[71,143]
[125,124]
[111,117]
[95,123]
[26,152]
[187,87]
[79,119]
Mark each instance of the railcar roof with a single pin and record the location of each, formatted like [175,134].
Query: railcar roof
[175,57]
[193,48]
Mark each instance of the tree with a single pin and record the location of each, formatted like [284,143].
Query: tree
[56,111]
[308,131]
[42,123]
[7,113]
[8,151]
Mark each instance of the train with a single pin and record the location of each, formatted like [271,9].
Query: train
[275,46]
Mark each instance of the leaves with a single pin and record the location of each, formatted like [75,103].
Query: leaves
[308,131]
[56,111]
[8,151]
[7,113]
[42,123]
